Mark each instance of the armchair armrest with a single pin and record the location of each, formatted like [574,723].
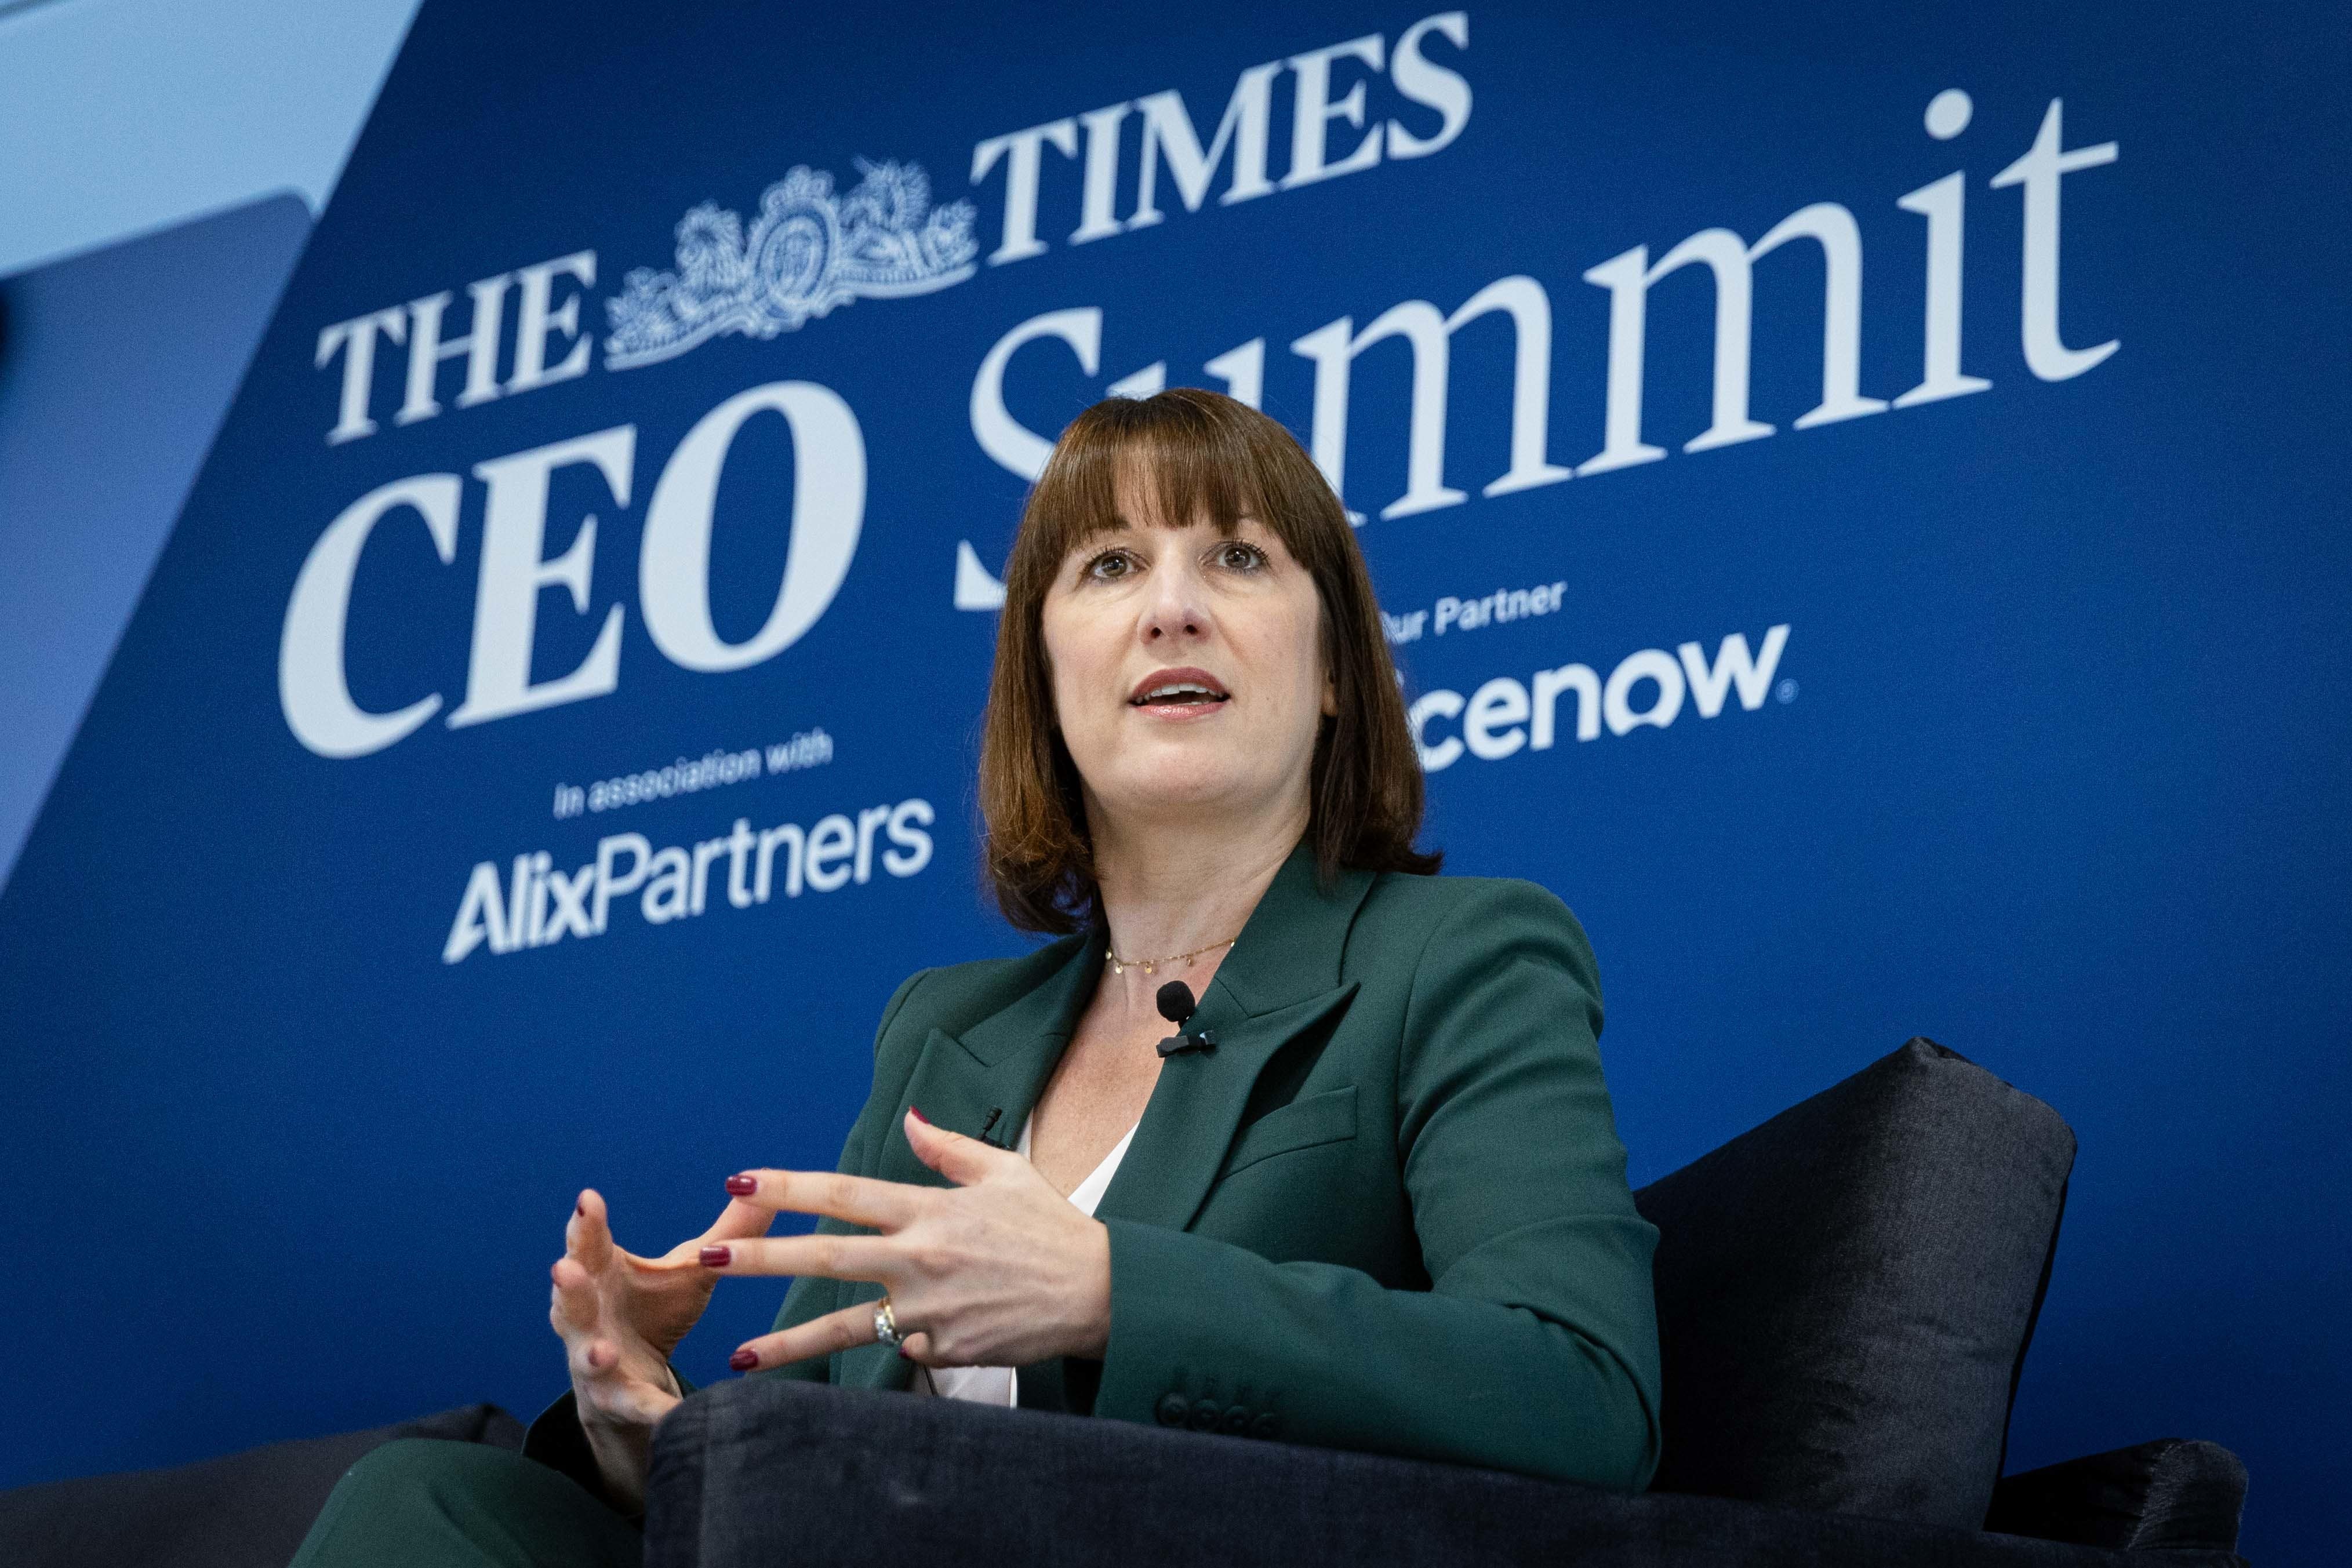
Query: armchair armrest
[771,1470]
[2168,1495]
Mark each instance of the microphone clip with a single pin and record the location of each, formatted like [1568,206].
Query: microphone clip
[1176,1005]
[1204,1040]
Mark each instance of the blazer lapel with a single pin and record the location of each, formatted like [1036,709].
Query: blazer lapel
[998,1064]
[1281,979]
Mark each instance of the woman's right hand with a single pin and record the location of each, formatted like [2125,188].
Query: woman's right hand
[619,1316]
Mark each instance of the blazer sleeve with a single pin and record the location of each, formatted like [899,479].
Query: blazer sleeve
[1534,1348]
[811,1296]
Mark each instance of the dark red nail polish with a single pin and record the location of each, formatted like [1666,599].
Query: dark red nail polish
[903,1355]
[717,1257]
[743,1360]
[742,1185]
[917,1110]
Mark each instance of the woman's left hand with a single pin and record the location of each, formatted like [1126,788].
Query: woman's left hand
[997,1271]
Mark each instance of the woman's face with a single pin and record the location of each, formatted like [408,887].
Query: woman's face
[1188,671]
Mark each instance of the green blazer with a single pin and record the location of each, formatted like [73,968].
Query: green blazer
[1388,1211]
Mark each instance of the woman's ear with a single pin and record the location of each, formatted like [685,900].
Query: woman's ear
[1330,697]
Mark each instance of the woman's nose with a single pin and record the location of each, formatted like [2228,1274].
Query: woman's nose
[1174,613]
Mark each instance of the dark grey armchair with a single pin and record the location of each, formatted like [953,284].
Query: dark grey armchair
[1845,1295]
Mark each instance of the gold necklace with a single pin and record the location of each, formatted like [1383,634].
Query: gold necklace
[1119,965]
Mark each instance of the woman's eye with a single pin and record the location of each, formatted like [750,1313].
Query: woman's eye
[1239,556]
[1109,564]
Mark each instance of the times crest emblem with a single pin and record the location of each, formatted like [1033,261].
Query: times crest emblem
[808,250]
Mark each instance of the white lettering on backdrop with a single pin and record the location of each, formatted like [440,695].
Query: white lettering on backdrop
[537,904]
[1428,332]
[828,507]
[1333,132]
[1170,137]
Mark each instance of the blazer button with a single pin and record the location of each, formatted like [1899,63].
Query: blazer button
[1235,1423]
[1204,1416]
[1173,1409]
[1264,1425]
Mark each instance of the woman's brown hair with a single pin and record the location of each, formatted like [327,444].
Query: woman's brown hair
[1198,453]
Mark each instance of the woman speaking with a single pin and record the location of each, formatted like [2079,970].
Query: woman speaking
[1285,1137]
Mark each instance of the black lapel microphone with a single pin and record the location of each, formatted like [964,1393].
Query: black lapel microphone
[1176,1005]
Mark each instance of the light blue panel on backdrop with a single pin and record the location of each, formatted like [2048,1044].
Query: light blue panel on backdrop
[115,370]
[1856,495]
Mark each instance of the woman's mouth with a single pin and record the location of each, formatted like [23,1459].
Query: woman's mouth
[1179,689]
[1163,696]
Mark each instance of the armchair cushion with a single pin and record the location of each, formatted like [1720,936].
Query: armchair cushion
[1845,1293]
[772,1471]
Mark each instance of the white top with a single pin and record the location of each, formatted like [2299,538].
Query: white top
[1001,1385]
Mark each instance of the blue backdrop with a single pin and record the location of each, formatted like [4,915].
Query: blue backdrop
[1943,645]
